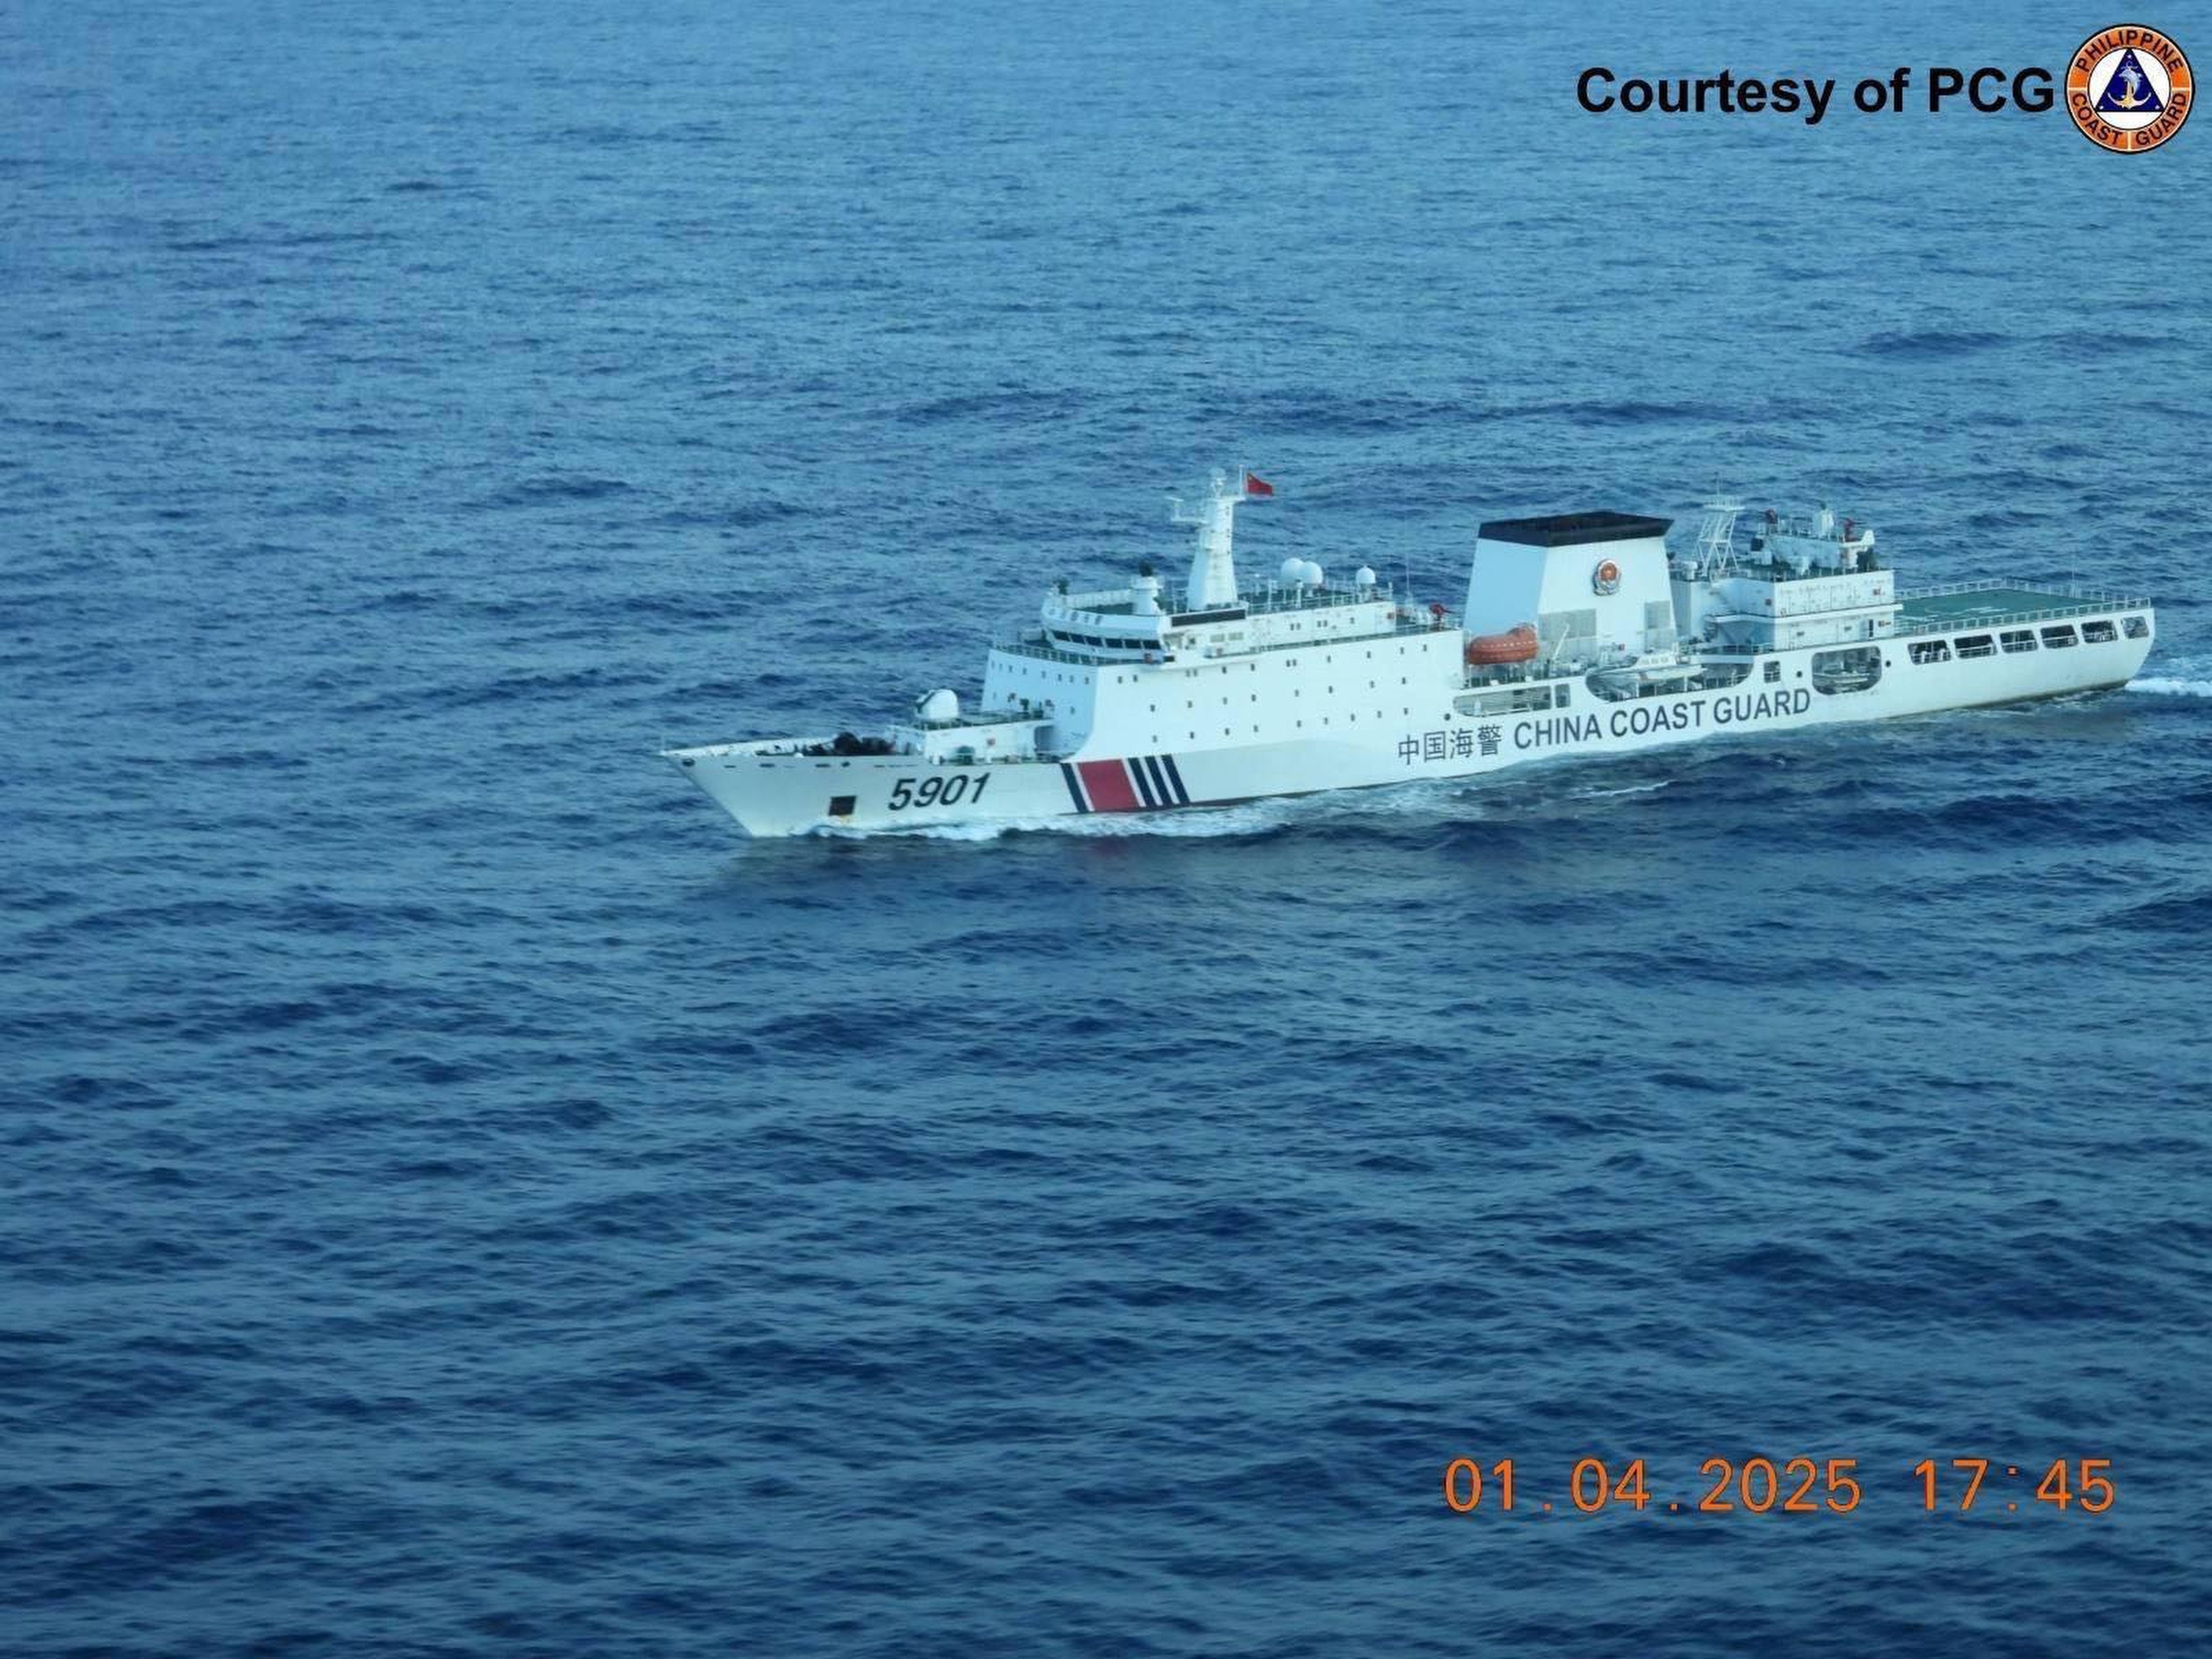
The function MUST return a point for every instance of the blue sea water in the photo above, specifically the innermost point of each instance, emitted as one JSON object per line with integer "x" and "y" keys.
{"x": 456, "y": 1198}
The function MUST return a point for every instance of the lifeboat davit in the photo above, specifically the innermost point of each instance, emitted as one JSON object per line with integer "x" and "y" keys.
{"x": 1514, "y": 645}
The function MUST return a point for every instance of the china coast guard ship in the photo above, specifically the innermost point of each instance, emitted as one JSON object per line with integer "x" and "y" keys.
{"x": 1581, "y": 635}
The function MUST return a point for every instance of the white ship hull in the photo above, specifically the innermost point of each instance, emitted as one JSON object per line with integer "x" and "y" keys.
{"x": 784, "y": 794}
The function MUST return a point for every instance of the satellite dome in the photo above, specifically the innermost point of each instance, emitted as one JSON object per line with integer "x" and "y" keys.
{"x": 1313, "y": 573}
{"x": 939, "y": 707}
{"x": 1293, "y": 572}
{"x": 1366, "y": 576}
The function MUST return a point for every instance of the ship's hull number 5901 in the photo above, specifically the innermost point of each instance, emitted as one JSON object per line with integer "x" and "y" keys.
{"x": 948, "y": 791}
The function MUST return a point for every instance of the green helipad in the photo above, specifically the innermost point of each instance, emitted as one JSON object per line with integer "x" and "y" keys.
{"x": 1992, "y": 605}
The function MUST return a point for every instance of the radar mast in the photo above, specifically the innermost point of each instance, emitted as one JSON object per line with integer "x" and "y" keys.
{"x": 1213, "y": 566}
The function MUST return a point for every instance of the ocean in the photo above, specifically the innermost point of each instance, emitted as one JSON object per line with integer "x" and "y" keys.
{"x": 458, "y": 1197}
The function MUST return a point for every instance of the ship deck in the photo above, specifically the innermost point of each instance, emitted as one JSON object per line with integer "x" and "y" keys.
{"x": 1989, "y": 604}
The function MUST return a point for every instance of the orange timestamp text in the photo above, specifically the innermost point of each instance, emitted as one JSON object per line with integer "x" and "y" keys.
{"x": 1794, "y": 1486}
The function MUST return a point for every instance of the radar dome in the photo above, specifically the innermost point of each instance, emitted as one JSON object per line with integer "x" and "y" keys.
{"x": 1292, "y": 573}
{"x": 1313, "y": 573}
{"x": 939, "y": 707}
{"x": 1366, "y": 576}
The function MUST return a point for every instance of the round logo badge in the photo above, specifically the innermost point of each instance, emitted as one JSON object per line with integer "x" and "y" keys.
{"x": 2129, "y": 87}
{"x": 1605, "y": 579}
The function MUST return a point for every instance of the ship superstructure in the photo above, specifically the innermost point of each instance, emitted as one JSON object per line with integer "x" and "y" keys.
{"x": 1580, "y": 633}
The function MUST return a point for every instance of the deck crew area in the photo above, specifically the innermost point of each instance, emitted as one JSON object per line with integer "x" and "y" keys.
{"x": 1993, "y": 604}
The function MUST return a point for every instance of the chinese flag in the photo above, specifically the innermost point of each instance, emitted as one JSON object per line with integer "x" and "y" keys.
{"x": 1256, "y": 485}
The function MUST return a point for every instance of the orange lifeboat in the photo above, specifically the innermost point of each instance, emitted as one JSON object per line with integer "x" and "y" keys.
{"x": 1514, "y": 645}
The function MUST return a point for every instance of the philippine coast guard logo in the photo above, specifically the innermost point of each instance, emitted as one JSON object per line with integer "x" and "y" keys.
{"x": 2129, "y": 87}
{"x": 1605, "y": 579}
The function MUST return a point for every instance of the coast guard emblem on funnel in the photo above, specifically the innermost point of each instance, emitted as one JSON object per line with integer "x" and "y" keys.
{"x": 1605, "y": 579}
{"x": 2129, "y": 88}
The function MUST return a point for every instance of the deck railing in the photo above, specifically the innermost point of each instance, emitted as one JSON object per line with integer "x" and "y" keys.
{"x": 1044, "y": 652}
{"x": 2073, "y": 602}
{"x": 1989, "y": 584}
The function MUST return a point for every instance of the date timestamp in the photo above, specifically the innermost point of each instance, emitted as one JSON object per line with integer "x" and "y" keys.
{"x": 1794, "y": 1486}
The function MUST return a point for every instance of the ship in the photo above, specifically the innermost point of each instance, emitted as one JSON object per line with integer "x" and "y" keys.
{"x": 1581, "y": 635}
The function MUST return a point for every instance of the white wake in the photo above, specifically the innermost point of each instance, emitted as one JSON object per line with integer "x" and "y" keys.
{"x": 2161, "y": 686}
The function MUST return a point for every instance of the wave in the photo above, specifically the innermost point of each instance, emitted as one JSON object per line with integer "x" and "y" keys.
{"x": 1606, "y": 413}
{"x": 1315, "y": 411}
{"x": 1008, "y": 401}
{"x": 2189, "y": 915}
{"x": 741, "y": 515}
{"x": 2159, "y": 685}
{"x": 536, "y": 492}
{"x": 1929, "y": 343}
